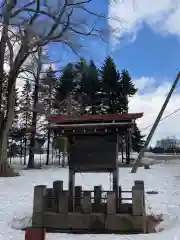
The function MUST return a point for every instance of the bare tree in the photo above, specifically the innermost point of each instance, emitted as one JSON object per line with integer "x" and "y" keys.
{"x": 25, "y": 27}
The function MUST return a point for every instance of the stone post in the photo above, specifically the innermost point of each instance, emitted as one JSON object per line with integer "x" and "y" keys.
{"x": 138, "y": 205}
{"x": 57, "y": 189}
{"x": 140, "y": 184}
{"x": 71, "y": 190}
{"x": 63, "y": 202}
{"x": 97, "y": 198}
{"x": 78, "y": 198}
{"x": 38, "y": 205}
{"x": 111, "y": 203}
{"x": 86, "y": 202}
{"x": 138, "y": 199}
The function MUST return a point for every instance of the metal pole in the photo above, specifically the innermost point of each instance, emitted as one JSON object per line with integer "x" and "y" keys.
{"x": 141, "y": 154}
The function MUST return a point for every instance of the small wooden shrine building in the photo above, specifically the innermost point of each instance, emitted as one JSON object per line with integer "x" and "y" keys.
{"x": 94, "y": 142}
{"x": 93, "y": 146}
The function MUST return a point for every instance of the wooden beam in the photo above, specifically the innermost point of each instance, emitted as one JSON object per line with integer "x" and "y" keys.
{"x": 66, "y": 126}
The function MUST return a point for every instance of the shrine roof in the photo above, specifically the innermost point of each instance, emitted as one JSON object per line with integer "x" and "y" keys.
{"x": 57, "y": 119}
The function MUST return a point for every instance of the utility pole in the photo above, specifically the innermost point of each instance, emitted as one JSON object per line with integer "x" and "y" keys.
{"x": 141, "y": 154}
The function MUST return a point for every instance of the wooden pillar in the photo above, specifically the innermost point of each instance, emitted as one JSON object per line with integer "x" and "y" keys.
{"x": 71, "y": 190}
{"x": 130, "y": 140}
{"x": 115, "y": 185}
{"x": 122, "y": 149}
{"x": 127, "y": 149}
{"x": 116, "y": 174}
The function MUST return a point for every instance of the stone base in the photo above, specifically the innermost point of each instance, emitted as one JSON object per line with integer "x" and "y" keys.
{"x": 90, "y": 223}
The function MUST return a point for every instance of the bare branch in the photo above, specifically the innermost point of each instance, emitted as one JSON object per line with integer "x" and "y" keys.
{"x": 24, "y": 8}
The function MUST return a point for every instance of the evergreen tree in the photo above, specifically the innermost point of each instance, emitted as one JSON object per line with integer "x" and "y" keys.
{"x": 137, "y": 139}
{"x": 81, "y": 69}
{"x": 26, "y": 105}
{"x": 66, "y": 87}
{"x": 47, "y": 90}
{"x": 93, "y": 87}
{"x": 87, "y": 77}
{"x": 111, "y": 94}
{"x": 127, "y": 89}
{"x": 65, "y": 100}
{"x": 48, "y": 85}
{"x": 26, "y": 114}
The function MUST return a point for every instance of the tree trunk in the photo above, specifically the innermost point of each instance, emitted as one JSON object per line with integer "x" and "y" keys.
{"x": 21, "y": 144}
{"x": 25, "y": 138}
{"x": 33, "y": 126}
{"x": 31, "y": 163}
{"x": 5, "y": 169}
{"x": 3, "y": 154}
{"x": 5, "y": 126}
{"x": 64, "y": 152}
{"x": 48, "y": 144}
{"x": 25, "y": 147}
{"x": 49, "y": 130}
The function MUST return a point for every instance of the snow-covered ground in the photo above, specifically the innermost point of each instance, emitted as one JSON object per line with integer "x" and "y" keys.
{"x": 16, "y": 198}
{"x": 40, "y": 159}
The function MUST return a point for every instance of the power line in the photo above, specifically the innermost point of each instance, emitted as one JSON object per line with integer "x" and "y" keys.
{"x": 167, "y": 116}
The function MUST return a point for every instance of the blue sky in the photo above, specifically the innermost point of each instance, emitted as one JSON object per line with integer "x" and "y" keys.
{"x": 150, "y": 54}
{"x": 149, "y": 48}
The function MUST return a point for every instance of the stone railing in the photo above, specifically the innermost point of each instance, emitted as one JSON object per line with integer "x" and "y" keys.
{"x": 51, "y": 206}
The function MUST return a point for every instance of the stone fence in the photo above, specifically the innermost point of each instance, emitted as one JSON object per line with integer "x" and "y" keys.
{"x": 91, "y": 209}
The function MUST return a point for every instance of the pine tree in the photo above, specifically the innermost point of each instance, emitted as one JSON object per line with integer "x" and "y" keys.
{"x": 66, "y": 88}
{"x": 93, "y": 88}
{"x": 111, "y": 94}
{"x": 65, "y": 100}
{"x": 88, "y": 86}
{"x": 48, "y": 85}
{"x": 81, "y": 72}
{"x": 26, "y": 113}
{"x": 137, "y": 139}
{"x": 127, "y": 89}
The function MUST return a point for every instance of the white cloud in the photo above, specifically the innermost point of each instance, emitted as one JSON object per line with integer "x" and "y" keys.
{"x": 161, "y": 15}
{"x": 150, "y": 103}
